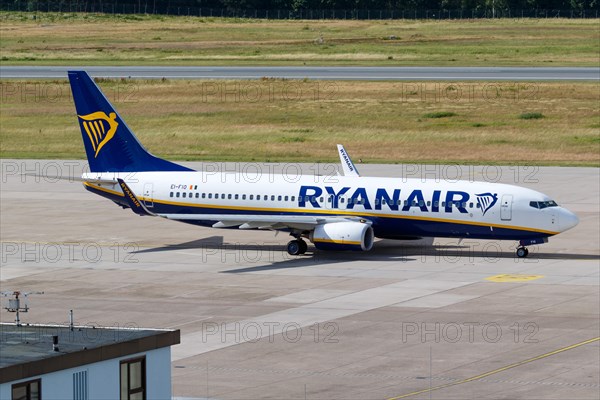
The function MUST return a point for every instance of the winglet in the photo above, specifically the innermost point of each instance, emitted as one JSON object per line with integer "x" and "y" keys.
{"x": 347, "y": 165}
{"x": 134, "y": 203}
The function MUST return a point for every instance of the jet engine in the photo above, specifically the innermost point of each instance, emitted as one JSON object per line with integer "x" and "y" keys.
{"x": 349, "y": 235}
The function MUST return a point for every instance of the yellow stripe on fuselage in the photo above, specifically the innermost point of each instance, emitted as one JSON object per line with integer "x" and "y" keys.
{"x": 328, "y": 212}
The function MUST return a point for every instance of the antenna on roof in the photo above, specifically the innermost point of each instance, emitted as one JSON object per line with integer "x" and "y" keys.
{"x": 18, "y": 303}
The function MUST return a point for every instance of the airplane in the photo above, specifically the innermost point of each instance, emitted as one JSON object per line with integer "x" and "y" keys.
{"x": 345, "y": 213}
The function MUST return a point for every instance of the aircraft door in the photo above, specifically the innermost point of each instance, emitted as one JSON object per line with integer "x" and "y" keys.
{"x": 148, "y": 194}
{"x": 506, "y": 207}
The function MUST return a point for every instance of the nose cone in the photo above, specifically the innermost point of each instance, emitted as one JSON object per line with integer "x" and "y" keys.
{"x": 567, "y": 220}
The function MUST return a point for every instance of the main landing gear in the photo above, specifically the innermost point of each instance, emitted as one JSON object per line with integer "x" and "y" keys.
{"x": 522, "y": 252}
{"x": 296, "y": 247}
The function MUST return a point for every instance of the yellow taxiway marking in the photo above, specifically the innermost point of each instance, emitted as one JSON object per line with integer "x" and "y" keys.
{"x": 513, "y": 278}
{"x": 486, "y": 374}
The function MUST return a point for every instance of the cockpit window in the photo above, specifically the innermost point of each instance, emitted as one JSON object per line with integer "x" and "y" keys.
{"x": 543, "y": 204}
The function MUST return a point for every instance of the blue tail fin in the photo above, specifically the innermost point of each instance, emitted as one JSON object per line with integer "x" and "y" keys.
{"x": 109, "y": 144}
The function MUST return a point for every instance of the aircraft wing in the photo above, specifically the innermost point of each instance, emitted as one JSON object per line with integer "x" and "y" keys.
{"x": 242, "y": 221}
{"x": 347, "y": 165}
{"x": 246, "y": 221}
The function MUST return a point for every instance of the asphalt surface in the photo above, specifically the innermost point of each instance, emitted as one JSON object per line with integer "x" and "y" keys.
{"x": 323, "y": 73}
{"x": 456, "y": 320}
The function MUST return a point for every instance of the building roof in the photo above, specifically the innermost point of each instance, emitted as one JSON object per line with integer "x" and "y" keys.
{"x": 27, "y": 350}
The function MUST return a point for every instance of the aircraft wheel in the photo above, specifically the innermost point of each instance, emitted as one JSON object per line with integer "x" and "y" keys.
{"x": 303, "y": 246}
{"x": 294, "y": 247}
{"x": 522, "y": 252}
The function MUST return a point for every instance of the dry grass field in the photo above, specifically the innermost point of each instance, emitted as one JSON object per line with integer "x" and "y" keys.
{"x": 280, "y": 120}
{"x": 97, "y": 39}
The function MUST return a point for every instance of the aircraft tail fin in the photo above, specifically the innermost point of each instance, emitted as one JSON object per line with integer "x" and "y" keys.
{"x": 109, "y": 143}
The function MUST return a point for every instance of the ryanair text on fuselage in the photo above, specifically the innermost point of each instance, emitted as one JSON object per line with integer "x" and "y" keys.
{"x": 452, "y": 200}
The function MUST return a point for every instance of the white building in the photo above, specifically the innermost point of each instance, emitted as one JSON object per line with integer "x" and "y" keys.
{"x": 50, "y": 362}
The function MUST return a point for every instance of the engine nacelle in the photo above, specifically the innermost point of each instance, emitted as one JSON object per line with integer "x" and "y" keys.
{"x": 343, "y": 236}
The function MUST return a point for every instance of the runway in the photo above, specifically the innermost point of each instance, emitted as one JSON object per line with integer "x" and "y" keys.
{"x": 452, "y": 320}
{"x": 318, "y": 73}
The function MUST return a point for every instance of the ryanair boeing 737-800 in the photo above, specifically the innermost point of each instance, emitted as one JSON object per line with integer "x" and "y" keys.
{"x": 345, "y": 214}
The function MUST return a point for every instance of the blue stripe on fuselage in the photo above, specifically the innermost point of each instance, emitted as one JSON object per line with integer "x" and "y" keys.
{"x": 383, "y": 226}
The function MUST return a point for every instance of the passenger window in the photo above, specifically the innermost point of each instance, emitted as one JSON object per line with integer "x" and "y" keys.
{"x": 470, "y": 205}
{"x": 210, "y": 195}
{"x": 184, "y": 194}
{"x": 342, "y": 200}
{"x": 228, "y": 197}
{"x": 171, "y": 194}
{"x": 251, "y": 197}
{"x": 278, "y": 198}
{"x": 197, "y": 195}
{"x": 443, "y": 204}
{"x": 203, "y": 195}
{"x": 293, "y": 198}
{"x": 320, "y": 199}
{"x": 177, "y": 194}
{"x": 222, "y": 196}
{"x": 285, "y": 198}
{"x": 258, "y": 197}
{"x": 237, "y": 196}
{"x": 272, "y": 198}
{"x": 243, "y": 197}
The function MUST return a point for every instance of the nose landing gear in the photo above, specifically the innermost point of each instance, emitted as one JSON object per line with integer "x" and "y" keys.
{"x": 522, "y": 252}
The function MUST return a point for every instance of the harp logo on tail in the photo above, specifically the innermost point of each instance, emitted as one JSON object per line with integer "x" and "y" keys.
{"x": 100, "y": 128}
{"x": 486, "y": 201}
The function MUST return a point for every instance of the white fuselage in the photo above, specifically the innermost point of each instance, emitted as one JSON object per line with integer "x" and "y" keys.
{"x": 396, "y": 207}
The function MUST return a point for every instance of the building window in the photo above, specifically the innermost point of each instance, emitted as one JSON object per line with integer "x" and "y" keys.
{"x": 133, "y": 379}
{"x": 80, "y": 385}
{"x": 30, "y": 390}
